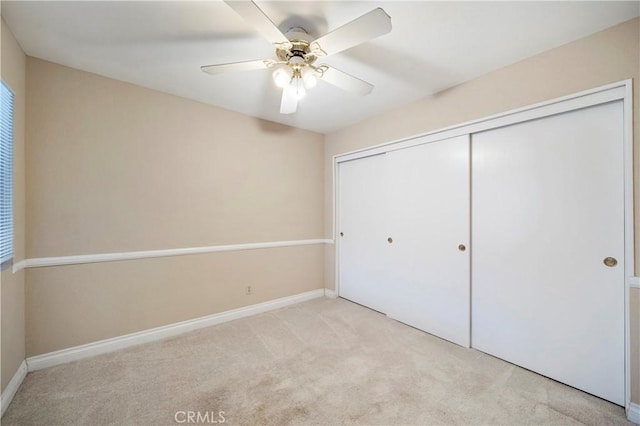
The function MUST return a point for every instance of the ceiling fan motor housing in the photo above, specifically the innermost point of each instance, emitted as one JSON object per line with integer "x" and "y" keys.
{"x": 300, "y": 48}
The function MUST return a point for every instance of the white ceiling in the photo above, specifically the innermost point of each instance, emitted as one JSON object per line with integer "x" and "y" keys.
{"x": 433, "y": 46}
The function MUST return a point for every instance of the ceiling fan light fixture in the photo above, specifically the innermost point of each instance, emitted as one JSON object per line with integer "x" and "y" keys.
{"x": 296, "y": 52}
{"x": 282, "y": 76}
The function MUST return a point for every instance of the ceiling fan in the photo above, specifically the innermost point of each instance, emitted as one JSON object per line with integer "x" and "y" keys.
{"x": 295, "y": 70}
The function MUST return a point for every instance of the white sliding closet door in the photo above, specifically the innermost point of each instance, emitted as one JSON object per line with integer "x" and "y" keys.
{"x": 428, "y": 221}
{"x": 362, "y": 237}
{"x": 548, "y": 210}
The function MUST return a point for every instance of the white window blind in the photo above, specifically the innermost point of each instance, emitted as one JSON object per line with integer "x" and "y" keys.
{"x": 6, "y": 173}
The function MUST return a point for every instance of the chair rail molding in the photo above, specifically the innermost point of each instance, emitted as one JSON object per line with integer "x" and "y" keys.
{"x": 39, "y": 262}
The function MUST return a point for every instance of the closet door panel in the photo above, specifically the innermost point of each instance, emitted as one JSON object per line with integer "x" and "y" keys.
{"x": 428, "y": 220}
{"x": 548, "y": 208}
{"x": 362, "y": 216}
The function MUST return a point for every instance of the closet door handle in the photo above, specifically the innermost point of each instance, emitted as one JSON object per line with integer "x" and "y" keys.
{"x": 610, "y": 261}
{"x": 462, "y": 247}
{"x": 389, "y": 240}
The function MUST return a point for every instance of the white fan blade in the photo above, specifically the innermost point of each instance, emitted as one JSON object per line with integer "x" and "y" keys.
{"x": 346, "y": 81}
{"x": 289, "y": 103}
{"x": 367, "y": 27}
{"x": 251, "y": 13}
{"x": 235, "y": 66}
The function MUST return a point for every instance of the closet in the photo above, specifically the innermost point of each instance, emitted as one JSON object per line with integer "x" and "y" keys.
{"x": 392, "y": 258}
{"x": 508, "y": 239}
{"x": 548, "y": 217}
{"x": 363, "y": 218}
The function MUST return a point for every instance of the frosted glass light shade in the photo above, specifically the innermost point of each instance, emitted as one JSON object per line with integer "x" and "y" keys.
{"x": 309, "y": 77}
{"x": 282, "y": 76}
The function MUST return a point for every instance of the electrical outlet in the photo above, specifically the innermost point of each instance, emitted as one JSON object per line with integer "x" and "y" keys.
{"x": 249, "y": 290}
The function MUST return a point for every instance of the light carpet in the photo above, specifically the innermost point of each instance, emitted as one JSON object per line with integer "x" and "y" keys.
{"x": 326, "y": 361}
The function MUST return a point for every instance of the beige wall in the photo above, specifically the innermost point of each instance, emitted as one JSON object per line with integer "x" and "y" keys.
{"x": 12, "y": 293}
{"x": 605, "y": 57}
{"x": 71, "y": 305}
{"x": 114, "y": 167}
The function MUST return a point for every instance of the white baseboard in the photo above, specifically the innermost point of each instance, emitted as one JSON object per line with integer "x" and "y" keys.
{"x": 633, "y": 413}
{"x": 50, "y": 359}
{"x": 12, "y": 387}
{"x": 330, "y": 293}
